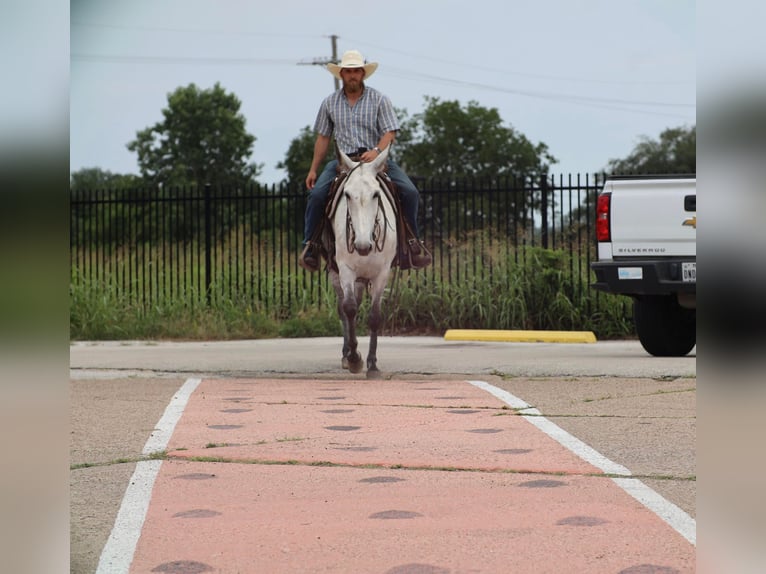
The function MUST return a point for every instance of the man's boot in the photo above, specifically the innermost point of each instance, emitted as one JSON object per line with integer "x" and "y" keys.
{"x": 309, "y": 258}
{"x": 419, "y": 255}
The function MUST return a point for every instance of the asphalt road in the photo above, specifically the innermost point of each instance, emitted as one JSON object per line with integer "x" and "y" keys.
{"x": 639, "y": 411}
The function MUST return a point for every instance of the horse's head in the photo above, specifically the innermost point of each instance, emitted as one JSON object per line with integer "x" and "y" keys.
{"x": 361, "y": 191}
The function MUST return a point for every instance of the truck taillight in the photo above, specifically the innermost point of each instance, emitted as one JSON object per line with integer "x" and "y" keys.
{"x": 602, "y": 218}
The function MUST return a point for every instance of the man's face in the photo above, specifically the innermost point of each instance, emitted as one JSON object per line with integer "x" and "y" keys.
{"x": 352, "y": 79}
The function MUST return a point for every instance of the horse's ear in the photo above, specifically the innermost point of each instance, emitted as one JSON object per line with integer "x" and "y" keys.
{"x": 379, "y": 163}
{"x": 343, "y": 160}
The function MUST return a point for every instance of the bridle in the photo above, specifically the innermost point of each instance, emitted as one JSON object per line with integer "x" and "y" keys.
{"x": 379, "y": 230}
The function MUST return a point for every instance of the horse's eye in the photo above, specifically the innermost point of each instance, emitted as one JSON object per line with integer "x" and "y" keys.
{"x": 376, "y": 195}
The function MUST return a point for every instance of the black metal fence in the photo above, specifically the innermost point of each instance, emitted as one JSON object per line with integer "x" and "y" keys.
{"x": 203, "y": 245}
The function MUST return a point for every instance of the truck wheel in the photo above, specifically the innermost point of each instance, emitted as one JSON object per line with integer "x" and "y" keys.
{"x": 664, "y": 328}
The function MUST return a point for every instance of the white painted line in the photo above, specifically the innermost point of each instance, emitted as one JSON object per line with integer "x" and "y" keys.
{"x": 676, "y": 518}
{"x": 164, "y": 429}
{"x": 121, "y": 545}
{"x": 681, "y": 522}
{"x": 119, "y": 549}
{"x": 554, "y": 431}
{"x": 574, "y": 444}
{"x": 503, "y": 395}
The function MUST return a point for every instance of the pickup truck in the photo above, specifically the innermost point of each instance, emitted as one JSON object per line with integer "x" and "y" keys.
{"x": 646, "y": 229}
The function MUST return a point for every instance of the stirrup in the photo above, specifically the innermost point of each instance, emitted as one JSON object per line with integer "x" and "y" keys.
{"x": 309, "y": 258}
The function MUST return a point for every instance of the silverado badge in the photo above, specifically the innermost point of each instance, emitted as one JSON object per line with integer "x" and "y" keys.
{"x": 691, "y": 222}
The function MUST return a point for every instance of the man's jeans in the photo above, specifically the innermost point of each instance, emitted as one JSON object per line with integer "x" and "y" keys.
{"x": 408, "y": 195}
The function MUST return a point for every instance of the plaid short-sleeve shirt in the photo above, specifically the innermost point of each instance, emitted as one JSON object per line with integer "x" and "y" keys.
{"x": 358, "y": 126}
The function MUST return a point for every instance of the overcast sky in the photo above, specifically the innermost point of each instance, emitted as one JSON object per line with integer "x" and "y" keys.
{"x": 588, "y": 78}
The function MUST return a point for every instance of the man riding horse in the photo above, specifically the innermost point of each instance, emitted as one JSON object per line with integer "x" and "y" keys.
{"x": 363, "y": 123}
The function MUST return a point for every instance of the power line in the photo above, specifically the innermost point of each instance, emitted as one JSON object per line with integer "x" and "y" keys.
{"x": 215, "y": 61}
{"x": 189, "y": 30}
{"x": 601, "y": 102}
{"x": 384, "y": 49}
{"x": 606, "y": 103}
{"x": 527, "y": 74}
{"x": 179, "y": 60}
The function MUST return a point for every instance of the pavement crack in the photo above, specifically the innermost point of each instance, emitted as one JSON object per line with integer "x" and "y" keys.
{"x": 161, "y": 455}
{"x": 639, "y": 395}
{"x": 387, "y": 466}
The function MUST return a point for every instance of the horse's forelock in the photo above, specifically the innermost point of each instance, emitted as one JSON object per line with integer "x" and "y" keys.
{"x": 362, "y": 177}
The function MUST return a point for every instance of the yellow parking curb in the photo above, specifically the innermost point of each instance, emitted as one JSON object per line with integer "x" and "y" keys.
{"x": 520, "y": 336}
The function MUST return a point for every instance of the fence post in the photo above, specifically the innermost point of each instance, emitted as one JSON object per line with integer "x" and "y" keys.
{"x": 544, "y": 210}
{"x": 208, "y": 243}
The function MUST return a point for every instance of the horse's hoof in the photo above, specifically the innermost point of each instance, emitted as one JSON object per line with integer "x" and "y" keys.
{"x": 374, "y": 374}
{"x": 356, "y": 367}
{"x": 344, "y": 363}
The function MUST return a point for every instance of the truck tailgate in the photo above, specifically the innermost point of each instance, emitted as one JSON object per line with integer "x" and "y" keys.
{"x": 640, "y": 229}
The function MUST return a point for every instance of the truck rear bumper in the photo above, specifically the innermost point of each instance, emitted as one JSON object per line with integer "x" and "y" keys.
{"x": 644, "y": 277}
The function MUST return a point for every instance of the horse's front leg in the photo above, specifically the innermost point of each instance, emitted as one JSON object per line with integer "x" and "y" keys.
{"x": 375, "y": 321}
{"x": 353, "y": 358}
{"x": 348, "y": 309}
{"x": 335, "y": 280}
{"x": 345, "y": 325}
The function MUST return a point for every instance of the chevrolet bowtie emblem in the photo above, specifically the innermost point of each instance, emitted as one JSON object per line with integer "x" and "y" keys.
{"x": 691, "y": 222}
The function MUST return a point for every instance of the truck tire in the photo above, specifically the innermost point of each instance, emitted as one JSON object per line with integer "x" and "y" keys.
{"x": 664, "y": 328}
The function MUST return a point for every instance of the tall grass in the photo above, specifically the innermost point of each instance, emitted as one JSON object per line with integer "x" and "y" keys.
{"x": 496, "y": 288}
{"x": 531, "y": 288}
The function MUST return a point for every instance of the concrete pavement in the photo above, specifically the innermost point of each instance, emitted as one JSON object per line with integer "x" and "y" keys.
{"x": 396, "y": 355}
{"x": 283, "y": 469}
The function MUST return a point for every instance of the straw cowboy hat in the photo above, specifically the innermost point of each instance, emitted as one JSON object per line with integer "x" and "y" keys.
{"x": 353, "y": 59}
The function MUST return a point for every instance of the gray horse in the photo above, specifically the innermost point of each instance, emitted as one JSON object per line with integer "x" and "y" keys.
{"x": 365, "y": 230}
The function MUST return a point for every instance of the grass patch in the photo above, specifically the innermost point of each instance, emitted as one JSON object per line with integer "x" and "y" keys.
{"x": 495, "y": 287}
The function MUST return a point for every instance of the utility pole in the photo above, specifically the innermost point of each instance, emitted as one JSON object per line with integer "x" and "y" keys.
{"x": 324, "y": 61}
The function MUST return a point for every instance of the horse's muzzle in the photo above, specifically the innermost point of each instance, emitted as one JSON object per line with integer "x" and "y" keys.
{"x": 363, "y": 249}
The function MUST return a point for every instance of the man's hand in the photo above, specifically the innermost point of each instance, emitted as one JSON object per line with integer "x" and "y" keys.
{"x": 369, "y": 156}
{"x": 311, "y": 179}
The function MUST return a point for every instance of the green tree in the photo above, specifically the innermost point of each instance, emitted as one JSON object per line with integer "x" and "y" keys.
{"x": 97, "y": 220}
{"x": 404, "y": 138}
{"x": 466, "y": 154}
{"x": 454, "y": 141}
{"x": 298, "y": 157}
{"x": 675, "y": 152}
{"x": 92, "y": 178}
{"x": 201, "y": 139}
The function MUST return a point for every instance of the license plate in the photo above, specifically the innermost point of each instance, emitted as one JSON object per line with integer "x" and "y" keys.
{"x": 630, "y": 273}
{"x": 689, "y": 272}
